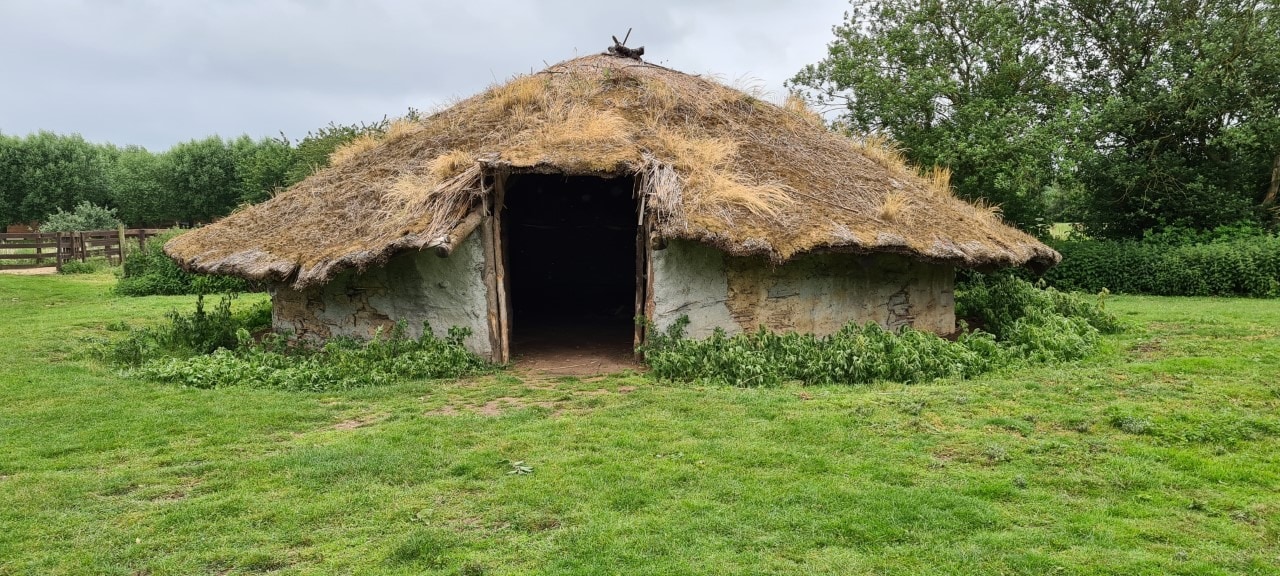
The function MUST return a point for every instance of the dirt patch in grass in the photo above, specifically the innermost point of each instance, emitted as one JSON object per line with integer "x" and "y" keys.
{"x": 499, "y": 406}
{"x": 31, "y": 271}
{"x": 446, "y": 410}
{"x": 361, "y": 422}
{"x": 180, "y": 492}
{"x": 1148, "y": 349}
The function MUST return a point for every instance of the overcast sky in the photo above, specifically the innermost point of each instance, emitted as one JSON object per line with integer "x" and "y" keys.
{"x": 158, "y": 72}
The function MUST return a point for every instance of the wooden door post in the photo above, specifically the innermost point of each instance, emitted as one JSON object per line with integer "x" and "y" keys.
{"x": 500, "y": 267}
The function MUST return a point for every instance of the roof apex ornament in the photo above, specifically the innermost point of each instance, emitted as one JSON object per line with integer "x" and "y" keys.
{"x": 620, "y": 48}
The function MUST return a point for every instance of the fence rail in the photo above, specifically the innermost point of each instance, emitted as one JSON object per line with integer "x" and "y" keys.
{"x": 40, "y": 250}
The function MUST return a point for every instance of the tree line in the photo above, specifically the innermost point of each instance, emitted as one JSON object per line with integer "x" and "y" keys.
{"x": 46, "y": 175}
{"x": 1125, "y": 116}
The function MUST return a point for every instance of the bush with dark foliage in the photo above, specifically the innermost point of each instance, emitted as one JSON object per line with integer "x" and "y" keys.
{"x": 149, "y": 272}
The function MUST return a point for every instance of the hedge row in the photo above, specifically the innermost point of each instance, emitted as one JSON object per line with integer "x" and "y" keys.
{"x": 1234, "y": 267}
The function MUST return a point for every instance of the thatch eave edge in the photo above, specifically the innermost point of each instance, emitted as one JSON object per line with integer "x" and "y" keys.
{"x": 1040, "y": 258}
{"x": 261, "y": 266}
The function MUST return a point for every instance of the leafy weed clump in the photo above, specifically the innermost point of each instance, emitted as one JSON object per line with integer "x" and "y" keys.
{"x": 341, "y": 364}
{"x": 1025, "y": 324}
{"x": 854, "y": 354}
{"x": 1002, "y": 302}
{"x": 150, "y": 272}
{"x": 89, "y": 266}
{"x": 217, "y": 349}
{"x": 200, "y": 332}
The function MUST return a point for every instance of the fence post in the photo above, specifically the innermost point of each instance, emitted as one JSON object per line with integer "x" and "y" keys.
{"x": 39, "y": 248}
{"x": 119, "y": 244}
{"x": 57, "y": 252}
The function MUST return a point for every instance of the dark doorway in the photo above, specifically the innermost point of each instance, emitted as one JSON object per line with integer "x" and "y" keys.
{"x": 571, "y": 264}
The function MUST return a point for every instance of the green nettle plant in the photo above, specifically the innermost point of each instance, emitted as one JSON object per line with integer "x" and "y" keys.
{"x": 1024, "y": 324}
{"x": 216, "y": 349}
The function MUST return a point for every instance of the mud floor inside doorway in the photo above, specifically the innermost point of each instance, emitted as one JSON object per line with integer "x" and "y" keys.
{"x": 575, "y": 349}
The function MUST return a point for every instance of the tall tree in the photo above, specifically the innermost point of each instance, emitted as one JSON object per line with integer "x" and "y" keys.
{"x": 1139, "y": 113}
{"x": 202, "y": 173}
{"x": 10, "y": 194}
{"x": 137, "y": 191}
{"x": 45, "y": 172}
{"x": 1183, "y": 107}
{"x": 967, "y": 84}
{"x": 262, "y": 166}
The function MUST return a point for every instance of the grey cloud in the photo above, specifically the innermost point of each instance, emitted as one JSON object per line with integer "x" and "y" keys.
{"x": 159, "y": 72}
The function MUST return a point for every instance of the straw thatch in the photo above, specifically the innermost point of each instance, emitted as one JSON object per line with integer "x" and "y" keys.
{"x": 715, "y": 165}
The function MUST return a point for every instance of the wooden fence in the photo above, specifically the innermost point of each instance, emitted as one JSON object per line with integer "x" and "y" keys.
{"x": 39, "y": 250}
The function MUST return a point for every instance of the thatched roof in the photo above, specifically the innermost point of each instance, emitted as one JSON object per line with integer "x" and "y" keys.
{"x": 716, "y": 165}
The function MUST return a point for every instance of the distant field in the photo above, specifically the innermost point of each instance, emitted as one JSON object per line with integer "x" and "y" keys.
{"x": 1158, "y": 457}
{"x": 1063, "y": 230}
{"x": 14, "y": 252}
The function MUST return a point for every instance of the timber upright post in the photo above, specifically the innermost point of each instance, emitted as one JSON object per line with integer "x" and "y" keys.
{"x": 119, "y": 244}
{"x": 490, "y": 272}
{"x": 60, "y": 239}
{"x": 494, "y": 271}
{"x": 500, "y": 266}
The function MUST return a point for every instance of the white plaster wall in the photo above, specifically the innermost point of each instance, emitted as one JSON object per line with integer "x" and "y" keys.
{"x": 814, "y": 293}
{"x": 689, "y": 279}
{"x": 413, "y": 287}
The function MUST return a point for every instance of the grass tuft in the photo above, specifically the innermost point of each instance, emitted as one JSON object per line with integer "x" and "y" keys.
{"x": 353, "y": 149}
{"x": 796, "y": 104}
{"x": 706, "y": 164}
{"x": 522, "y": 92}
{"x": 985, "y": 209}
{"x": 402, "y": 128}
{"x": 892, "y": 206}
{"x": 413, "y": 188}
{"x": 450, "y": 164}
{"x": 938, "y": 179}
{"x": 883, "y": 149}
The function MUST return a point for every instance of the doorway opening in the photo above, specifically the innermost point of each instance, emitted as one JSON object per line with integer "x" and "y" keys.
{"x": 570, "y": 244}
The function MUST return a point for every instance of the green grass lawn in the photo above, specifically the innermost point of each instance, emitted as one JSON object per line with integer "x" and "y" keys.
{"x": 1160, "y": 456}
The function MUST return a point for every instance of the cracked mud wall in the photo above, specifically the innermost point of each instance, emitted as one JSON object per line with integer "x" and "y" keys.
{"x": 414, "y": 287}
{"x": 814, "y": 293}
